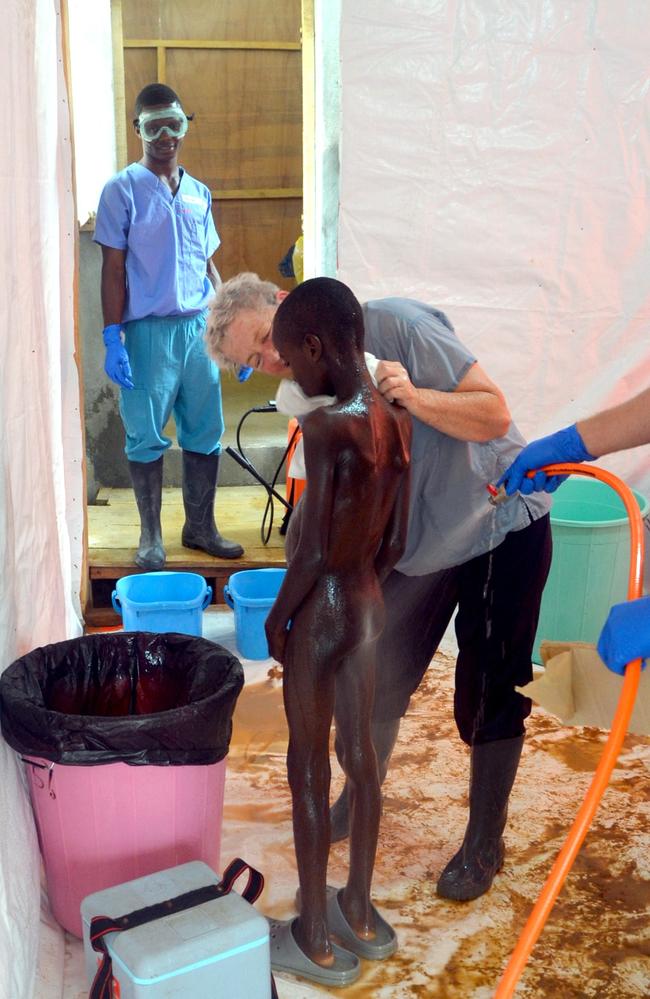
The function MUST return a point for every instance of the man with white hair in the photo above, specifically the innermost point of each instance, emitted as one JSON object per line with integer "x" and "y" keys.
{"x": 486, "y": 563}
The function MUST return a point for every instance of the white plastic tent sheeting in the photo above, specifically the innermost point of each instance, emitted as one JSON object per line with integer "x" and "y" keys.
{"x": 495, "y": 163}
{"x": 41, "y": 485}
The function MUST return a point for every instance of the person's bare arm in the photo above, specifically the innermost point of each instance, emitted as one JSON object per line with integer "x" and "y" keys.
{"x": 214, "y": 277}
{"x": 619, "y": 428}
{"x": 310, "y": 557}
{"x": 476, "y": 410}
{"x": 113, "y": 285}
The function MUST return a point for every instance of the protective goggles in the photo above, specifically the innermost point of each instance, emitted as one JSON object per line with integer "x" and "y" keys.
{"x": 172, "y": 121}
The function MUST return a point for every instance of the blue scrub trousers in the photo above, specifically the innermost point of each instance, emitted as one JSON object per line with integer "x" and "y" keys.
{"x": 172, "y": 373}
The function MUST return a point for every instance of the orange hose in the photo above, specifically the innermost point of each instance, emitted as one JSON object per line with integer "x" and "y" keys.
{"x": 584, "y": 818}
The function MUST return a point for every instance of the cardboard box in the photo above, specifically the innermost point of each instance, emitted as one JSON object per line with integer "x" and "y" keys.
{"x": 578, "y": 688}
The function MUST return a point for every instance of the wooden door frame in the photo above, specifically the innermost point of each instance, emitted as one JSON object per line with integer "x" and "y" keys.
{"x": 309, "y": 227}
{"x": 307, "y": 46}
{"x": 119, "y": 96}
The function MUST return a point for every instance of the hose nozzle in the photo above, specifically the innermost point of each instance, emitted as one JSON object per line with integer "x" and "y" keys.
{"x": 497, "y": 494}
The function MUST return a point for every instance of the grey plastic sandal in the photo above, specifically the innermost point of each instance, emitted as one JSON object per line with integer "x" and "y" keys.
{"x": 287, "y": 956}
{"x": 377, "y": 948}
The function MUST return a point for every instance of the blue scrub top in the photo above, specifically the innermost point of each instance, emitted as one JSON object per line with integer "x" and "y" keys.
{"x": 168, "y": 239}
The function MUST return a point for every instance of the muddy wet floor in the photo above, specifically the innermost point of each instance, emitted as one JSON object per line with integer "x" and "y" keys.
{"x": 597, "y": 941}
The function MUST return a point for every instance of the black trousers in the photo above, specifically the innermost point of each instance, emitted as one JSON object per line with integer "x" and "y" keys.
{"x": 498, "y": 597}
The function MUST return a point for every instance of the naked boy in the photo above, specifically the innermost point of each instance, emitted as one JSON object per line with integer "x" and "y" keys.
{"x": 345, "y": 536}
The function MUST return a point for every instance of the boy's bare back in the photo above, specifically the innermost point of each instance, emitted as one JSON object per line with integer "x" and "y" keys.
{"x": 356, "y": 455}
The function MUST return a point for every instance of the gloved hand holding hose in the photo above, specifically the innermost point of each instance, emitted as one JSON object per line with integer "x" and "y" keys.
{"x": 563, "y": 445}
{"x": 117, "y": 365}
{"x": 626, "y": 633}
{"x": 616, "y": 429}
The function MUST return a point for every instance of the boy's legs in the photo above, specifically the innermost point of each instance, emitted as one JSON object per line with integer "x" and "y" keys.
{"x": 354, "y": 698}
{"x": 308, "y": 691}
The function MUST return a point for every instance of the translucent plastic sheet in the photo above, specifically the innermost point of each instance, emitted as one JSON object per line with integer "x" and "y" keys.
{"x": 41, "y": 492}
{"x": 494, "y": 163}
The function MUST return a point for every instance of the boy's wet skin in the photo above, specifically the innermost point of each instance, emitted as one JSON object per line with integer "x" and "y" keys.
{"x": 345, "y": 536}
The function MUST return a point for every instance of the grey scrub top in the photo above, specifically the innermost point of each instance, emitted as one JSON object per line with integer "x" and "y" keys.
{"x": 450, "y": 518}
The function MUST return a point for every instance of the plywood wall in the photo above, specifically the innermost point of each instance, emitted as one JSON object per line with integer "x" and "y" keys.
{"x": 245, "y": 142}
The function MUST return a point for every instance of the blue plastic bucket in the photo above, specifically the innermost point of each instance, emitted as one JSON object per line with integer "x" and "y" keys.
{"x": 251, "y": 594}
{"x": 162, "y": 601}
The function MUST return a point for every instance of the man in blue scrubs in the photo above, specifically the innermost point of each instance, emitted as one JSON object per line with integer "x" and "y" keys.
{"x": 154, "y": 224}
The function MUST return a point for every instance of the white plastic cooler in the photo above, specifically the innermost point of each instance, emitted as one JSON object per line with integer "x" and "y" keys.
{"x": 216, "y": 950}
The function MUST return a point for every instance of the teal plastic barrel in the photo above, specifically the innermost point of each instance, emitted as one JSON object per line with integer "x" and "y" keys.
{"x": 591, "y": 560}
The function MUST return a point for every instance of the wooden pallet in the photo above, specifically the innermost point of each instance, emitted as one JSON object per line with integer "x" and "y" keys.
{"x": 114, "y": 529}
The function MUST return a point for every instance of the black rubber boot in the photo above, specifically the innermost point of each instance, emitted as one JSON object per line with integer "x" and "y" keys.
{"x": 471, "y": 871}
{"x": 199, "y": 486}
{"x": 147, "y": 486}
{"x": 384, "y": 736}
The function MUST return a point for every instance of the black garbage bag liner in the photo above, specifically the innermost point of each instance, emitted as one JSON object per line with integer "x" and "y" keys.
{"x": 124, "y": 697}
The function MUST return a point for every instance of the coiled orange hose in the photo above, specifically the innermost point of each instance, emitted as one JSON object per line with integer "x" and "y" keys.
{"x": 584, "y": 818}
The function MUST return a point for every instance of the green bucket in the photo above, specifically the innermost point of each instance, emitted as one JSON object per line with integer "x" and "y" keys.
{"x": 591, "y": 561}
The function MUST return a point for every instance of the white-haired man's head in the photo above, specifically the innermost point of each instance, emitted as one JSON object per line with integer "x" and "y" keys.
{"x": 239, "y": 324}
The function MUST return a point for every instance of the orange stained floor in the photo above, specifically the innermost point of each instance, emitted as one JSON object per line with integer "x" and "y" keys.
{"x": 597, "y": 942}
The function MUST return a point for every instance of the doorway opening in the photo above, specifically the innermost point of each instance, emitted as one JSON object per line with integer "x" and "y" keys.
{"x": 254, "y": 75}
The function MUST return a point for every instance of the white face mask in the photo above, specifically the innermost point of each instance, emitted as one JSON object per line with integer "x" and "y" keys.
{"x": 170, "y": 120}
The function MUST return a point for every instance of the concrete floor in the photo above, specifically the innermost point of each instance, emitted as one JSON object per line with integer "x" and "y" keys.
{"x": 597, "y": 941}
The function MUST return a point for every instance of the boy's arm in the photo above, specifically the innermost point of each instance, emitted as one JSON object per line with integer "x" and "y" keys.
{"x": 394, "y": 540}
{"x": 310, "y": 557}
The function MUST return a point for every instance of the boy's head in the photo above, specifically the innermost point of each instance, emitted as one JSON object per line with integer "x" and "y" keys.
{"x": 159, "y": 119}
{"x": 155, "y": 95}
{"x": 316, "y": 329}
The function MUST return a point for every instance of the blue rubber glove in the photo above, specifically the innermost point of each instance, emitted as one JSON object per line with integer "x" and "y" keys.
{"x": 626, "y": 635}
{"x": 117, "y": 365}
{"x": 564, "y": 445}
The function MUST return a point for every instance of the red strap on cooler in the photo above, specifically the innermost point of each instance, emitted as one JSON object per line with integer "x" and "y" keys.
{"x": 101, "y": 987}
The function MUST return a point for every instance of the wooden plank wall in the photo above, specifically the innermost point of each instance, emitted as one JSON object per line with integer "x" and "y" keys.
{"x": 236, "y": 64}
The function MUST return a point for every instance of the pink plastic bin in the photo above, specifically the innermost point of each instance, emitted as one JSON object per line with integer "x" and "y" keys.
{"x": 103, "y": 825}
